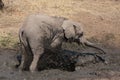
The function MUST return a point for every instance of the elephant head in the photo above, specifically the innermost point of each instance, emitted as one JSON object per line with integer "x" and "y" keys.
{"x": 73, "y": 32}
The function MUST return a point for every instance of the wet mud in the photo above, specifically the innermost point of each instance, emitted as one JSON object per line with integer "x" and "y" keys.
{"x": 87, "y": 66}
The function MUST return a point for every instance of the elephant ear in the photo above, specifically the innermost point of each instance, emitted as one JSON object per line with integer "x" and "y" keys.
{"x": 69, "y": 29}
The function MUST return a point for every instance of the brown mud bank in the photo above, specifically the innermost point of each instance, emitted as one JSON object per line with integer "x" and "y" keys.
{"x": 91, "y": 71}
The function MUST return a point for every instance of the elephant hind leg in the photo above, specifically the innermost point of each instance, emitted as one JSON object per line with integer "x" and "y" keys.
{"x": 27, "y": 59}
{"x": 36, "y": 56}
{"x": 37, "y": 50}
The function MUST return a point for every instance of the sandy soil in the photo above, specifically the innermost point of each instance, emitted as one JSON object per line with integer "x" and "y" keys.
{"x": 100, "y": 17}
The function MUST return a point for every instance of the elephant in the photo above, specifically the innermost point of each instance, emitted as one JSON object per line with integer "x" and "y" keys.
{"x": 1, "y": 4}
{"x": 40, "y": 32}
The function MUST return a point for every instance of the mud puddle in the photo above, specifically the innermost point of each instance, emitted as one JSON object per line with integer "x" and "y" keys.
{"x": 98, "y": 71}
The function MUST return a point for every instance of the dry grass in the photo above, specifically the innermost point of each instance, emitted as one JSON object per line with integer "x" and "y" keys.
{"x": 101, "y": 17}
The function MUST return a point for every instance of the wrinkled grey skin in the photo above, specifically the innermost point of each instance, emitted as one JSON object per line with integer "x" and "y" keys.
{"x": 1, "y": 4}
{"x": 40, "y": 32}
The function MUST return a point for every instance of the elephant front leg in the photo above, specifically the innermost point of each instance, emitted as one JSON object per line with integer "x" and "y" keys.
{"x": 36, "y": 56}
{"x": 57, "y": 43}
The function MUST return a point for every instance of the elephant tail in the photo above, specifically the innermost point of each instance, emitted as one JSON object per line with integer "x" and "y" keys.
{"x": 22, "y": 38}
{"x": 24, "y": 46}
{"x": 25, "y": 41}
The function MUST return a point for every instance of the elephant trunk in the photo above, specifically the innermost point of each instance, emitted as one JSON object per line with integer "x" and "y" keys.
{"x": 85, "y": 42}
{"x": 89, "y": 44}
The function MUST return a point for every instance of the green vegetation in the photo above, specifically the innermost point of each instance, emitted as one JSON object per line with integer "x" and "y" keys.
{"x": 8, "y": 41}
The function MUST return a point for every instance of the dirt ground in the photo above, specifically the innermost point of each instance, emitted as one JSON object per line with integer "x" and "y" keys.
{"x": 102, "y": 26}
{"x": 101, "y": 18}
{"x": 98, "y": 71}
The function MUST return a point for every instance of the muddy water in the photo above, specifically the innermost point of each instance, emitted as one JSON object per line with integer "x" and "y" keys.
{"x": 98, "y": 71}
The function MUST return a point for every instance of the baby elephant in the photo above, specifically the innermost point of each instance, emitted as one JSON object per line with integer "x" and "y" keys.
{"x": 40, "y": 32}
